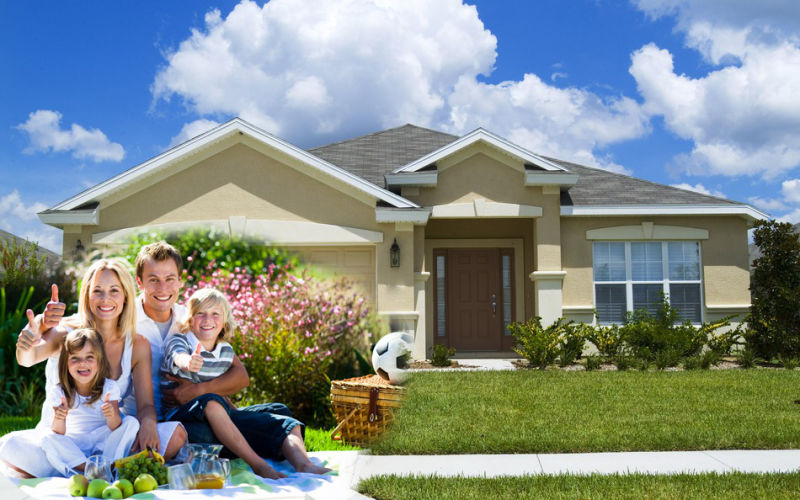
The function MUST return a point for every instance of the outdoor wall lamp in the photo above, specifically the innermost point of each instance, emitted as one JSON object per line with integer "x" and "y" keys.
{"x": 394, "y": 254}
{"x": 79, "y": 249}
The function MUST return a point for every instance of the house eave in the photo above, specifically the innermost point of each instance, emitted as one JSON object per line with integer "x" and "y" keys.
{"x": 563, "y": 179}
{"x": 416, "y": 179}
{"x": 745, "y": 211}
{"x": 61, "y": 218}
{"x": 417, "y": 216}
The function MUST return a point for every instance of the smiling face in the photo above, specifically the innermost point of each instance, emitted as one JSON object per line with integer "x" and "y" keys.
{"x": 207, "y": 323}
{"x": 82, "y": 367}
{"x": 160, "y": 283}
{"x": 106, "y": 296}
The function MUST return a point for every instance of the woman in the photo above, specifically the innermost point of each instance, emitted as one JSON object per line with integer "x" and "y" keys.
{"x": 107, "y": 305}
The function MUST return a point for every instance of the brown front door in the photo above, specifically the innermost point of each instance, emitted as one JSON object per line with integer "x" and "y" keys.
{"x": 474, "y": 312}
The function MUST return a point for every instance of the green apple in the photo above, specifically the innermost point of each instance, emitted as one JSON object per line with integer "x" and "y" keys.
{"x": 96, "y": 487}
{"x": 77, "y": 485}
{"x": 112, "y": 492}
{"x": 145, "y": 482}
{"x": 125, "y": 486}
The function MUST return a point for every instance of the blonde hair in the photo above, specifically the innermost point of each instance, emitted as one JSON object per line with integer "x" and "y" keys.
{"x": 204, "y": 299}
{"x": 158, "y": 251}
{"x": 74, "y": 342}
{"x": 127, "y": 319}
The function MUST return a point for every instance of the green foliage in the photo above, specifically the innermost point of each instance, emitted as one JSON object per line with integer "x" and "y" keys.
{"x": 202, "y": 247}
{"x": 657, "y": 338}
{"x": 23, "y": 388}
{"x": 542, "y": 345}
{"x": 607, "y": 339}
{"x": 593, "y": 363}
{"x": 788, "y": 362}
{"x": 747, "y": 357}
{"x": 440, "y": 355}
{"x": 775, "y": 290}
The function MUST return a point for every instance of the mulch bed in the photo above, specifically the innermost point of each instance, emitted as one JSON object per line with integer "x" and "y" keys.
{"x": 427, "y": 365}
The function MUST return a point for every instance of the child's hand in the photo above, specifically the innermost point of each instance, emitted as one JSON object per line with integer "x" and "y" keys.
{"x": 108, "y": 409}
{"x": 196, "y": 362}
{"x": 61, "y": 411}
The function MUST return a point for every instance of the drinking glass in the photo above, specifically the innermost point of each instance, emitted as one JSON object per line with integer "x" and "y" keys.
{"x": 226, "y": 470}
{"x": 97, "y": 467}
{"x": 180, "y": 477}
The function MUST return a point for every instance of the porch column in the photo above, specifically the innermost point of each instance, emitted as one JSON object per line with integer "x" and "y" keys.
{"x": 548, "y": 277}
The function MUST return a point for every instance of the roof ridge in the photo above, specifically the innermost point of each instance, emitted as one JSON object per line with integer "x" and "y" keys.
{"x": 617, "y": 174}
{"x": 380, "y": 132}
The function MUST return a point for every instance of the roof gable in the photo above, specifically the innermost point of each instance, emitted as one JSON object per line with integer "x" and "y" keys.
{"x": 230, "y": 130}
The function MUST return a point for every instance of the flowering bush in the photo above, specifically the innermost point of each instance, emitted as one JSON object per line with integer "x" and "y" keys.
{"x": 295, "y": 333}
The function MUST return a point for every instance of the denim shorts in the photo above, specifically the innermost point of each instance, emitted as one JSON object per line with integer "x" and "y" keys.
{"x": 264, "y": 426}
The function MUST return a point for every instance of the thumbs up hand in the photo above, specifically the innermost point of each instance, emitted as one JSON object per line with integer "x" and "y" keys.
{"x": 54, "y": 310}
{"x": 29, "y": 336}
{"x": 107, "y": 408}
{"x": 61, "y": 411}
{"x": 196, "y": 362}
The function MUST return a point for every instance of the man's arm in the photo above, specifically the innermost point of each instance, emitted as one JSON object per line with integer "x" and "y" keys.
{"x": 227, "y": 384}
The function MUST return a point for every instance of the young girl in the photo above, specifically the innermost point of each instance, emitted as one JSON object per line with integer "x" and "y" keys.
{"x": 200, "y": 353}
{"x": 86, "y": 417}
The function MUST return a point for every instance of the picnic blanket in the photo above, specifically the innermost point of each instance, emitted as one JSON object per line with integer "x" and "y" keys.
{"x": 244, "y": 484}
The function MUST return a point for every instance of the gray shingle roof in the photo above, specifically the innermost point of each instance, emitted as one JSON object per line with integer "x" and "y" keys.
{"x": 374, "y": 155}
{"x": 596, "y": 186}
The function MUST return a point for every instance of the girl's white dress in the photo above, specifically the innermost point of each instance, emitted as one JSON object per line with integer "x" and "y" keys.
{"x": 87, "y": 432}
{"x": 24, "y": 449}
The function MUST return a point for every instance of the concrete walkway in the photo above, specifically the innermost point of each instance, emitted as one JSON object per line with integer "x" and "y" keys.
{"x": 671, "y": 462}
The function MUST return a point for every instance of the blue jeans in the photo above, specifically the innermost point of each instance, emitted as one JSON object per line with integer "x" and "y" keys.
{"x": 264, "y": 426}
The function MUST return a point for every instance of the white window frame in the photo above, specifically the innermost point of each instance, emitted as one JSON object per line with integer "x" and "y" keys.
{"x": 665, "y": 281}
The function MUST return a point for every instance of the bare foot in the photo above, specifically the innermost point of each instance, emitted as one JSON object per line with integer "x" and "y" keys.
{"x": 310, "y": 468}
{"x": 267, "y": 472}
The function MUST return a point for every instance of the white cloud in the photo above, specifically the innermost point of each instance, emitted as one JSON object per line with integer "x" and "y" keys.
{"x": 322, "y": 71}
{"x": 699, "y": 188}
{"x": 791, "y": 190}
{"x": 768, "y": 204}
{"x": 743, "y": 116}
{"x": 191, "y": 130}
{"x": 20, "y": 219}
{"x": 792, "y": 217}
{"x": 45, "y": 134}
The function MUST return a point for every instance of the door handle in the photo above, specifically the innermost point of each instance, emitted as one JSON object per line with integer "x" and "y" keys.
{"x": 494, "y": 304}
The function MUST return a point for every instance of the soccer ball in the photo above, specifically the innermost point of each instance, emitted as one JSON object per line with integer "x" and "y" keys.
{"x": 390, "y": 354}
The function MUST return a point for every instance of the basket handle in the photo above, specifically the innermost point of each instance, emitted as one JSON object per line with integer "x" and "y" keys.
{"x": 339, "y": 426}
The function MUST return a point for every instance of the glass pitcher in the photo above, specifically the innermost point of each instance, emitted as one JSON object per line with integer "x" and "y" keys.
{"x": 206, "y": 466}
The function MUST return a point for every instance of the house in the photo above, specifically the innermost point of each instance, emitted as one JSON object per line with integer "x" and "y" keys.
{"x": 450, "y": 237}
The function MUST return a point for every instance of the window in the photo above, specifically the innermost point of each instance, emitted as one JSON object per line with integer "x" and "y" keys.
{"x": 633, "y": 275}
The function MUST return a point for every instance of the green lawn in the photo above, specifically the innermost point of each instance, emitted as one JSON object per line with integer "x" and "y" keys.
{"x": 531, "y": 411}
{"x": 316, "y": 439}
{"x": 707, "y": 486}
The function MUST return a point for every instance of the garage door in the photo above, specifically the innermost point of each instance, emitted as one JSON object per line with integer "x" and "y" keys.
{"x": 354, "y": 263}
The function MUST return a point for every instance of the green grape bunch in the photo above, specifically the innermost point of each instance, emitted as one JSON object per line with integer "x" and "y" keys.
{"x": 140, "y": 465}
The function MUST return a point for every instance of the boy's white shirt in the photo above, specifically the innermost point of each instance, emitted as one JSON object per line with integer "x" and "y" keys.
{"x": 147, "y": 327}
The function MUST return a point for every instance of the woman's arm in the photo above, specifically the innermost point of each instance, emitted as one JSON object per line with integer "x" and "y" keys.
{"x": 143, "y": 386}
{"x": 227, "y": 384}
{"x": 33, "y": 349}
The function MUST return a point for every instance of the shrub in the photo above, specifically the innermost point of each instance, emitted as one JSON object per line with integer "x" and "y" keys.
{"x": 593, "y": 363}
{"x": 622, "y": 361}
{"x": 607, "y": 339}
{"x": 201, "y": 248}
{"x": 775, "y": 290}
{"x": 692, "y": 363}
{"x": 541, "y": 346}
{"x": 295, "y": 334}
{"x": 23, "y": 388}
{"x": 788, "y": 362}
{"x": 440, "y": 355}
{"x": 571, "y": 343}
{"x": 746, "y": 357}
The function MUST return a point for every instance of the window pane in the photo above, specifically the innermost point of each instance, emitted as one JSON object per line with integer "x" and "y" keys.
{"x": 647, "y": 297}
{"x": 609, "y": 261}
{"x": 610, "y": 303}
{"x": 646, "y": 261}
{"x": 506, "y": 293}
{"x": 684, "y": 260}
{"x": 686, "y": 299}
{"x": 440, "y": 316}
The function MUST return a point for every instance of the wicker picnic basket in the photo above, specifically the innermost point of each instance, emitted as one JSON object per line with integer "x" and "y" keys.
{"x": 364, "y": 408}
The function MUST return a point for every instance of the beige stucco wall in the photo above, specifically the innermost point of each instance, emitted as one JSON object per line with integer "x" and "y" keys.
{"x": 726, "y": 275}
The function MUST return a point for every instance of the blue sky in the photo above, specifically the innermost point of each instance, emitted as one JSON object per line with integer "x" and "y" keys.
{"x": 704, "y": 94}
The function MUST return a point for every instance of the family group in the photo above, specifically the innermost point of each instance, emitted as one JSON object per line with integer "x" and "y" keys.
{"x": 130, "y": 373}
